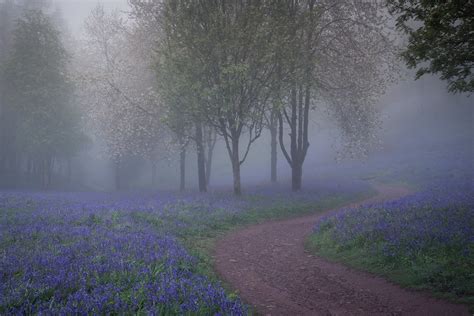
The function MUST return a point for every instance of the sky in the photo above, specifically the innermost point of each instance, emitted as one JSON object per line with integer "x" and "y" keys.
{"x": 76, "y": 11}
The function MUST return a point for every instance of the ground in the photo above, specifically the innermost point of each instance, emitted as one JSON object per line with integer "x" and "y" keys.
{"x": 270, "y": 268}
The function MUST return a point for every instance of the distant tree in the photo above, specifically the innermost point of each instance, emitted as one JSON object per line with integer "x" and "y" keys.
{"x": 117, "y": 90}
{"x": 440, "y": 39}
{"x": 9, "y": 12}
{"x": 40, "y": 91}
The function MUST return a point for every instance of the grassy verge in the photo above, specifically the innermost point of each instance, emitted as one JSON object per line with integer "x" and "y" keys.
{"x": 440, "y": 270}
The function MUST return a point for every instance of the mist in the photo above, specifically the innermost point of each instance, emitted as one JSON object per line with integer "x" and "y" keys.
{"x": 150, "y": 150}
{"x": 423, "y": 126}
{"x": 417, "y": 116}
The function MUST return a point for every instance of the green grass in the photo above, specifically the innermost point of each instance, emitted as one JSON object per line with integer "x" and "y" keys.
{"x": 438, "y": 272}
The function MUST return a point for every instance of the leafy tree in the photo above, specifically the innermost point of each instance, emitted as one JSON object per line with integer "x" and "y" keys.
{"x": 10, "y": 11}
{"x": 40, "y": 92}
{"x": 440, "y": 39}
{"x": 5, "y": 25}
{"x": 226, "y": 61}
{"x": 223, "y": 51}
{"x": 334, "y": 55}
{"x": 178, "y": 82}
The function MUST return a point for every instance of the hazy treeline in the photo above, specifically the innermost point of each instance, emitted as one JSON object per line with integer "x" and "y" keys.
{"x": 40, "y": 128}
{"x": 172, "y": 78}
{"x": 173, "y": 74}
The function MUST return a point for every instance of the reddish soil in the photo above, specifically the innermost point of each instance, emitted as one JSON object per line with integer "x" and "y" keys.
{"x": 270, "y": 269}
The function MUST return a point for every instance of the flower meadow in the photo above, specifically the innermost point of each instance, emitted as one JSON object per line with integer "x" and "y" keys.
{"x": 104, "y": 253}
{"x": 424, "y": 240}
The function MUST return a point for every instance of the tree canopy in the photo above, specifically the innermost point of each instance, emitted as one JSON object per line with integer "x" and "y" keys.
{"x": 39, "y": 96}
{"x": 440, "y": 39}
{"x": 234, "y": 64}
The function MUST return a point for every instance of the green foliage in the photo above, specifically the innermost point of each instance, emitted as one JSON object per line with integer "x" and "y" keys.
{"x": 39, "y": 92}
{"x": 219, "y": 70}
{"x": 440, "y": 39}
{"x": 440, "y": 270}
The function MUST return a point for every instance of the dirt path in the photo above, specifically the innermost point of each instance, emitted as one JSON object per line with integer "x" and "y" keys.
{"x": 269, "y": 267}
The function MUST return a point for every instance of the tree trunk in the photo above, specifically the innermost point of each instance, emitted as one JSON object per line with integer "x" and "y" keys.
{"x": 298, "y": 121}
{"x": 182, "y": 168}
{"x": 294, "y": 141}
{"x": 153, "y": 174}
{"x": 69, "y": 170}
{"x": 43, "y": 173}
{"x": 236, "y": 166}
{"x": 117, "y": 176}
{"x": 34, "y": 172}
{"x": 208, "y": 166}
{"x": 273, "y": 148}
{"x": 211, "y": 140}
{"x": 49, "y": 171}
{"x": 13, "y": 165}
{"x": 296, "y": 177}
{"x": 200, "y": 159}
{"x": 29, "y": 168}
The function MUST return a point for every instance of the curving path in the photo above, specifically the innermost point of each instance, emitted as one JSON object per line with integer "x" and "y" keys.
{"x": 269, "y": 267}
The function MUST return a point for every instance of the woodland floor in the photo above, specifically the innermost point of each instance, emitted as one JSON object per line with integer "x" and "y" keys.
{"x": 268, "y": 266}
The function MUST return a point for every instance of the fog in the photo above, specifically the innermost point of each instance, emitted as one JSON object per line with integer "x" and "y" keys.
{"x": 420, "y": 121}
{"x": 222, "y": 157}
{"x": 423, "y": 127}
{"x": 76, "y": 11}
